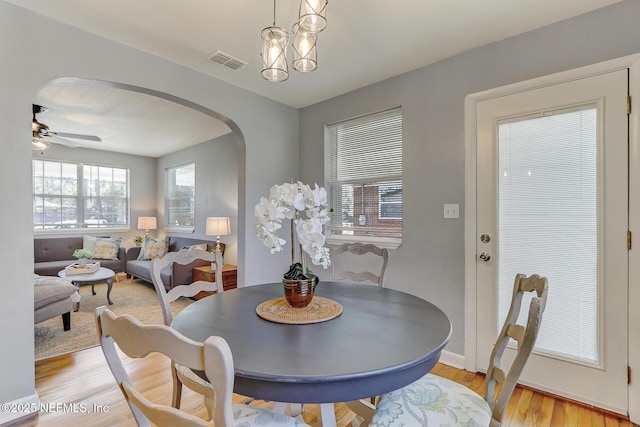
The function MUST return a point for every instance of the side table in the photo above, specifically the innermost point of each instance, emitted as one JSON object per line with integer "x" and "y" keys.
{"x": 206, "y": 273}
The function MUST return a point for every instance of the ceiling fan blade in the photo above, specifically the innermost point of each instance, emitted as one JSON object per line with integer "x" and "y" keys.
{"x": 57, "y": 140}
{"x": 76, "y": 136}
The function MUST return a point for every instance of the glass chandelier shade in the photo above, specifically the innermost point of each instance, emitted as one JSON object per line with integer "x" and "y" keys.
{"x": 305, "y": 54}
{"x": 313, "y": 15}
{"x": 274, "y": 49}
{"x": 38, "y": 143}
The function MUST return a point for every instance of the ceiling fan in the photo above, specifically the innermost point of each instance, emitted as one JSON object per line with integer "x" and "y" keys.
{"x": 42, "y": 137}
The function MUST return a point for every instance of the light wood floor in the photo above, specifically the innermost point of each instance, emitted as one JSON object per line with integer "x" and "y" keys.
{"x": 83, "y": 378}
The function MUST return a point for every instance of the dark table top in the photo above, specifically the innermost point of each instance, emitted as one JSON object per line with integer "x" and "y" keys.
{"x": 383, "y": 340}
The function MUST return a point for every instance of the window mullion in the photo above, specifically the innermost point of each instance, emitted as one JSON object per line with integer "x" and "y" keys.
{"x": 81, "y": 194}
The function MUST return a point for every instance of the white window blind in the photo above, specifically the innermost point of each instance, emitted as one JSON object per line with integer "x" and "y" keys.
{"x": 548, "y": 201}
{"x": 366, "y": 175}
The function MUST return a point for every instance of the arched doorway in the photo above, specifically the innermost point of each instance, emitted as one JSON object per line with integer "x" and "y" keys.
{"x": 86, "y": 106}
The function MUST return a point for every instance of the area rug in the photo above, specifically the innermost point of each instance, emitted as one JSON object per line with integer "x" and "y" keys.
{"x": 138, "y": 299}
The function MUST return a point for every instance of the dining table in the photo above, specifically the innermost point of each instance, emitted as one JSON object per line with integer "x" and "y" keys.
{"x": 381, "y": 340}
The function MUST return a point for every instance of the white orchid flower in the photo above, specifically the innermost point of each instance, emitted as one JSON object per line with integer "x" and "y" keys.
{"x": 287, "y": 201}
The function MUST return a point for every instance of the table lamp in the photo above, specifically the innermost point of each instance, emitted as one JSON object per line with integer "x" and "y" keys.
{"x": 147, "y": 223}
{"x": 218, "y": 226}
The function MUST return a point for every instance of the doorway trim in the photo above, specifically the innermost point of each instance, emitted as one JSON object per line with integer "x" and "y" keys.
{"x": 470, "y": 106}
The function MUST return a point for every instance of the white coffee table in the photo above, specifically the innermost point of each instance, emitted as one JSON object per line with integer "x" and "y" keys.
{"x": 102, "y": 275}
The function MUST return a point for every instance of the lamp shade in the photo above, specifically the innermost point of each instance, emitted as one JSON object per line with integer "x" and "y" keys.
{"x": 218, "y": 226}
{"x": 147, "y": 223}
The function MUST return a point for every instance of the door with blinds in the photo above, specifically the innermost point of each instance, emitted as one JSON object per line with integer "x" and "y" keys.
{"x": 552, "y": 180}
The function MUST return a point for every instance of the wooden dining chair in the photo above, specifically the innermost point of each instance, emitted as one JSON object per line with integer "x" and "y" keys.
{"x": 344, "y": 260}
{"x": 347, "y": 255}
{"x": 213, "y": 357}
{"x": 181, "y": 374}
{"x": 434, "y": 400}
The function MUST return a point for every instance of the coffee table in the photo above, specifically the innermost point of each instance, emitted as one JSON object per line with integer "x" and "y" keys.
{"x": 102, "y": 275}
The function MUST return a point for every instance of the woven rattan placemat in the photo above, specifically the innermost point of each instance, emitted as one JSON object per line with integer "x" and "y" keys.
{"x": 319, "y": 310}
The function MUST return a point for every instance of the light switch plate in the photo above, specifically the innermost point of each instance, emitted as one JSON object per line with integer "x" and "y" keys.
{"x": 451, "y": 210}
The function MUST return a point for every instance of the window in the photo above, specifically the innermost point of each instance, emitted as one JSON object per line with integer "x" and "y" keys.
{"x": 180, "y": 197}
{"x": 72, "y": 195}
{"x": 366, "y": 176}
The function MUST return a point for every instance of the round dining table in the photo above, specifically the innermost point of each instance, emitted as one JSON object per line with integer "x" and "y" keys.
{"x": 383, "y": 340}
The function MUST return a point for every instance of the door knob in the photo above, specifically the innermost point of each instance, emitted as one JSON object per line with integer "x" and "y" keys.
{"x": 485, "y": 256}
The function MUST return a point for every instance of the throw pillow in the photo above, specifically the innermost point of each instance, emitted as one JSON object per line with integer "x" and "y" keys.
{"x": 116, "y": 241}
{"x": 109, "y": 248}
{"x": 89, "y": 243}
{"x": 202, "y": 247}
{"x": 153, "y": 248}
{"x": 105, "y": 250}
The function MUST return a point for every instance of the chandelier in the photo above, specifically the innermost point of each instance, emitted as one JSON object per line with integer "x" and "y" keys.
{"x": 311, "y": 20}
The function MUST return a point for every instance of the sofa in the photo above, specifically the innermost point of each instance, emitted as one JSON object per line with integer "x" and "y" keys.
{"x": 172, "y": 275}
{"x": 54, "y": 254}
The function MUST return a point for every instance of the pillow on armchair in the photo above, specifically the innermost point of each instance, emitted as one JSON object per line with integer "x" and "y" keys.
{"x": 153, "y": 248}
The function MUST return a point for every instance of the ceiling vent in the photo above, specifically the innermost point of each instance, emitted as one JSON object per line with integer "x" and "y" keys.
{"x": 226, "y": 60}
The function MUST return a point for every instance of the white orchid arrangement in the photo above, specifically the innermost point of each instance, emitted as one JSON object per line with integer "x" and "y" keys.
{"x": 289, "y": 201}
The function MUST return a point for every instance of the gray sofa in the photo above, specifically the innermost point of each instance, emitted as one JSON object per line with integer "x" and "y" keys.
{"x": 54, "y": 254}
{"x": 173, "y": 275}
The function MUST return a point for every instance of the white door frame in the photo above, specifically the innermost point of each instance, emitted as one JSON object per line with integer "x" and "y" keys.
{"x": 471, "y": 101}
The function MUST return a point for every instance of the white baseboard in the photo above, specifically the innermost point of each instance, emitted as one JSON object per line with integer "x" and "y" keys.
{"x": 19, "y": 408}
{"x": 452, "y": 359}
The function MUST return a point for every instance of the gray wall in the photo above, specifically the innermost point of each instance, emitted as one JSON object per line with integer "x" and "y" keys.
{"x": 265, "y": 134}
{"x": 430, "y": 261}
{"x": 142, "y": 182}
{"x": 216, "y": 187}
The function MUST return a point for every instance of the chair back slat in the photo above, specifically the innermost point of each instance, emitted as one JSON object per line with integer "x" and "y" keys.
{"x": 138, "y": 340}
{"x": 161, "y": 415}
{"x": 359, "y": 249}
{"x": 516, "y": 332}
{"x": 183, "y": 257}
{"x": 498, "y": 374}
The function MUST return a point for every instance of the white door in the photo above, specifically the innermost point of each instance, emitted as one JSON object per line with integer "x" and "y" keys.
{"x": 552, "y": 199}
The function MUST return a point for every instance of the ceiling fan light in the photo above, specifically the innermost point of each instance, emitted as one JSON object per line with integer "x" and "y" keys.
{"x": 305, "y": 54}
{"x": 38, "y": 143}
{"x": 274, "y": 48}
{"x": 312, "y": 16}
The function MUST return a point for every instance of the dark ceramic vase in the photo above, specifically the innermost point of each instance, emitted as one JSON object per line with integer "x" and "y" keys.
{"x": 299, "y": 293}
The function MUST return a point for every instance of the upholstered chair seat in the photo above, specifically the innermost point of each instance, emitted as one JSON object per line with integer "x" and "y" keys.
{"x": 432, "y": 401}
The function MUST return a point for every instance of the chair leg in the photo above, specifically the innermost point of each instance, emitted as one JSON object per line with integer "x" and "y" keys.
{"x": 364, "y": 410}
{"x": 177, "y": 388}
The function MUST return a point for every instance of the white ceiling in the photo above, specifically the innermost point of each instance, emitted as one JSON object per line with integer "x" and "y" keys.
{"x": 366, "y": 41}
{"x": 126, "y": 121}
